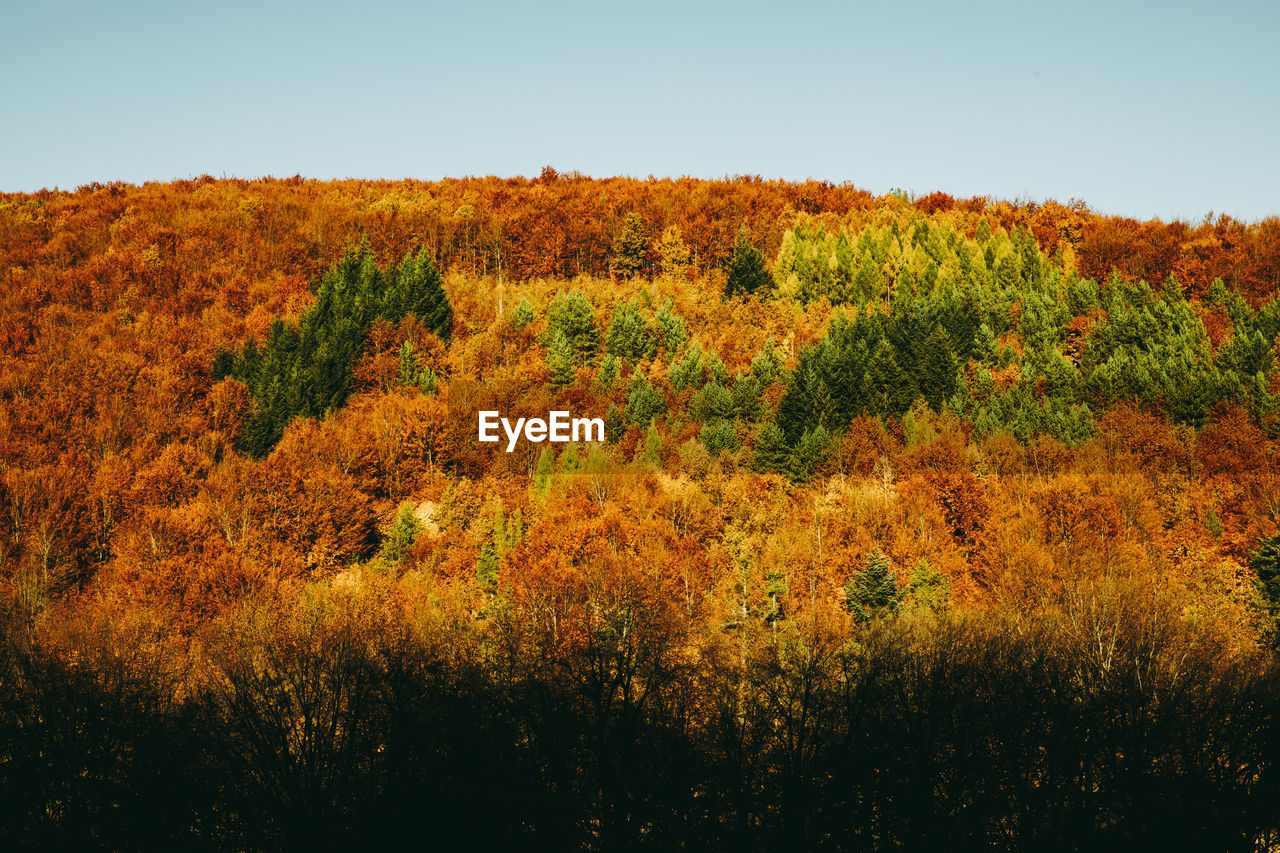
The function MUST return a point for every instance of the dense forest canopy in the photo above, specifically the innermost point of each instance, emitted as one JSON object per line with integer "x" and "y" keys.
{"x": 852, "y": 442}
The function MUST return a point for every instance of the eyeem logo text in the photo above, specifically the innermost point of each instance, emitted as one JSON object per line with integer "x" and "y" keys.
{"x": 558, "y": 427}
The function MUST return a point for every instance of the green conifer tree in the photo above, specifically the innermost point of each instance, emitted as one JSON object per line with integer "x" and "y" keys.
{"x": 772, "y": 452}
{"x": 1265, "y": 563}
{"x": 488, "y": 567}
{"x": 523, "y": 315}
{"x": 400, "y": 539}
{"x": 560, "y": 359}
{"x": 873, "y": 592}
{"x": 747, "y": 273}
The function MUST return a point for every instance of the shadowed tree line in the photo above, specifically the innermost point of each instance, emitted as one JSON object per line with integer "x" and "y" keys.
{"x": 336, "y": 725}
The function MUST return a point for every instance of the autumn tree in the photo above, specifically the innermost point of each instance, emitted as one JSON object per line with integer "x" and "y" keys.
{"x": 630, "y": 248}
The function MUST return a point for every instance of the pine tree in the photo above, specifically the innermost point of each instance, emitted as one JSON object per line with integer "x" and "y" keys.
{"x": 645, "y": 403}
{"x": 688, "y": 370}
{"x": 652, "y": 452}
{"x": 560, "y": 359}
{"x": 572, "y": 315}
{"x": 306, "y": 369}
{"x": 615, "y": 424}
{"x": 771, "y": 450}
{"x": 629, "y": 336}
{"x": 544, "y": 473}
{"x": 1265, "y": 563}
{"x": 873, "y": 592}
{"x": 806, "y": 402}
{"x": 928, "y": 590}
{"x": 402, "y": 534}
{"x": 424, "y": 295}
{"x": 719, "y": 437}
{"x": 747, "y": 273}
{"x": 672, "y": 334}
{"x": 936, "y": 370}
{"x": 809, "y": 454}
{"x": 608, "y": 371}
{"x": 488, "y": 567}
{"x": 569, "y": 460}
{"x": 523, "y": 315}
{"x": 767, "y": 364}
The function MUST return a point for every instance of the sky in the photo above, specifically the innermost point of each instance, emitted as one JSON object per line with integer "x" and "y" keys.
{"x": 1143, "y": 109}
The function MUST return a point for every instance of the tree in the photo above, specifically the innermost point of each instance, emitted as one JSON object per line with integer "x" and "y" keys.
{"x": 873, "y": 592}
{"x": 572, "y": 315}
{"x": 629, "y": 335}
{"x": 747, "y": 272}
{"x": 488, "y": 567}
{"x": 630, "y": 248}
{"x": 771, "y": 449}
{"x": 1265, "y": 563}
{"x": 402, "y": 534}
{"x": 673, "y": 254}
{"x": 928, "y": 589}
{"x": 645, "y": 403}
{"x": 560, "y": 359}
{"x": 523, "y": 315}
{"x": 672, "y": 334}
{"x": 809, "y": 454}
{"x": 936, "y": 369}
{"x": 608, "y": 371}
{"x": 306, "y": 369}
{"x": 719, "y": 437}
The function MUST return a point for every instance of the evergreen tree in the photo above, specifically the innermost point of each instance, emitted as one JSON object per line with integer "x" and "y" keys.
{"x": 873, "y": 592}
{"x": 672, "y": 334}
{"x": 767, "y": 364}
{"x": 645, "y": 404}
{"x": 809, "y": 454}
{"x": 806, "y": 402}
{"x": 560, "y": 359}
{"x": 569, "y": 461}
{"x": 928, "y": 589}
{"x": 629, "y": 336}
{"x": 544, "y": 472}
{"x": 608, "y": 371}
{"x": 523, "y": 315}
{"x": 1265, "y": 563}
{"x": 572, "y": 315}
{"x": 936, "y": 369}
{"x": 400, "y": 539}
{"x": 747, "y": 273}
{"x": 712, "y": 404}
{"x": 615, "y": 424}
{"x": 488, "y": 567}
{"x": 772, "y": 452}
{"x": 306, "y": 369}
{"x": 688, "y": 370}
{"x": 718, "y": 437}
{"x": 652, "y": 452}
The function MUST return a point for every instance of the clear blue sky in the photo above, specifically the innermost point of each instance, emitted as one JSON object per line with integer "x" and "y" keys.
{"x": 1166, "y": 109}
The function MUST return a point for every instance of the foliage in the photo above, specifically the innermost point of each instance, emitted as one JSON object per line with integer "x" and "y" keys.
{"x": 747, "y": 273}
{"x": 873, "y": 591}
{"x": 306, "y": 370}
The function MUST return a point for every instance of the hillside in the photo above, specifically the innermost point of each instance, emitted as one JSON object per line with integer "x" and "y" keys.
{"x": 1027, "y": 450}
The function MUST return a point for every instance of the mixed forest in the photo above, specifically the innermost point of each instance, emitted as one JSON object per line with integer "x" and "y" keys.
{"x": 920, "y": 522}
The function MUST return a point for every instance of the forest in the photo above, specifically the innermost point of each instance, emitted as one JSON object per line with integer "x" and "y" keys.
{"x": 919, "y": 523}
